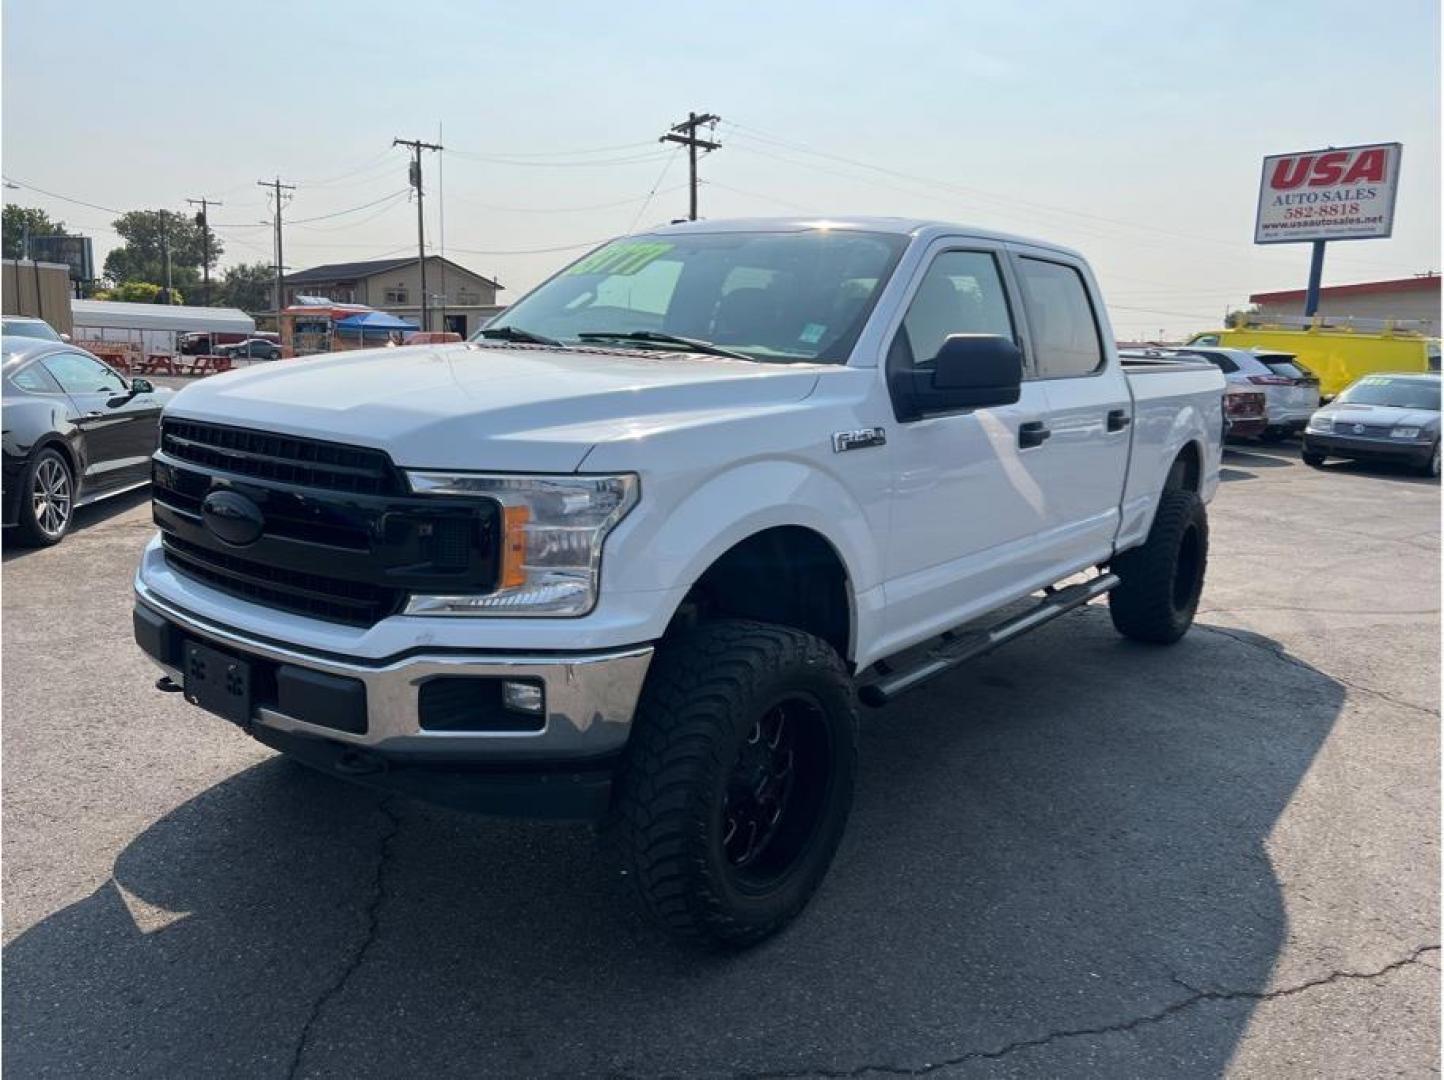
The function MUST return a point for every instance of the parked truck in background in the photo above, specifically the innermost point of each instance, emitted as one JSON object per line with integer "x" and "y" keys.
{"x": 635, "y": 552}
{"x": 1338, "y": 351}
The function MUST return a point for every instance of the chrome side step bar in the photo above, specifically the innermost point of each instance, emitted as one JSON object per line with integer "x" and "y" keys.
{"x": 955, "y": 649}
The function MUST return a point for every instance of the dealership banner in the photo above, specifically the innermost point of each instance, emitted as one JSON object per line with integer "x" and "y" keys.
{"x": 1335, "y": 194}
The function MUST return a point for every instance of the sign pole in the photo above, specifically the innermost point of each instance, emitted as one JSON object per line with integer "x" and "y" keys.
{"x": 1316, "y": 275}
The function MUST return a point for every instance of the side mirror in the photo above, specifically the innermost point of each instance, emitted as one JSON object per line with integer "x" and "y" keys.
{"x": 971, "y": 371}
{"x": 142, "y": 386}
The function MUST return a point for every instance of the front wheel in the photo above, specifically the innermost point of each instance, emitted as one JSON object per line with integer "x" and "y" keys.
{"x": 735, "y": 787}
{"x": 1162, "y": 580}
{"x": 47, "y": 499}
{"x": 1313, "y": 461}
{"x": 1431, "y": 467}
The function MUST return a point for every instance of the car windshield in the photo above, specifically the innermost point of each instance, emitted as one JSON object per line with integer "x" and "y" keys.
{"x": 30, "y": 328}
{"x": 774, "y": 296}
{"x": 1399, "y": 393}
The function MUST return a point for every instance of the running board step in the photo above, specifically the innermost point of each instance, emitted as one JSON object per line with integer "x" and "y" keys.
{"x": 970, "y": 644}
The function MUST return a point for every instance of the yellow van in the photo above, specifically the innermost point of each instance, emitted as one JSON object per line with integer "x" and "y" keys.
{"x": 1336, "y": 351}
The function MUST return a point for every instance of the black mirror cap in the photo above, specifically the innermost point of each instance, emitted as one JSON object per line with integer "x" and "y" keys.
{"x": 971, "y": 371}
{"x": 979, "y": 362}
{"x": 142, "y": 386}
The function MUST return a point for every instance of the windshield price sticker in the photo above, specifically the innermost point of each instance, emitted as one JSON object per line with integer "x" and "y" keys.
{"x": 622, "y": 259}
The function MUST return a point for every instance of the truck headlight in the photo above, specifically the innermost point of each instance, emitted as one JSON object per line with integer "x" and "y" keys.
{"x": 1404, "y": 433}
{"x": 1321, "y": 423}
{"x": 550, "y": 540}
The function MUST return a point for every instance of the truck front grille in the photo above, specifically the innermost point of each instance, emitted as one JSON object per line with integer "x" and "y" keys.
{"x": 343, "y": 538}
{"x": 287, "y": 459}
{"x": 321, "y": 597}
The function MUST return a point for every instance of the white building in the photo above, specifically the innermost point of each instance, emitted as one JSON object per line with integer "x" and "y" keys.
{"x": 153, "y": 328}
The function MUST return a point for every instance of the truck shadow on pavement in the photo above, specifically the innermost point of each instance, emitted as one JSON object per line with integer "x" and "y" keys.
{"x": 1052, "y": 852}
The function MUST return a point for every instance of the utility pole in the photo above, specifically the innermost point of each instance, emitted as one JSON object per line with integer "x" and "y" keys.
{"x": 277, "y": 187}
{"x": 685, "y": 134}
{"x": 416, "y": 147}
{"x": 204, "y": 222}
{"x": 165, "y": 253}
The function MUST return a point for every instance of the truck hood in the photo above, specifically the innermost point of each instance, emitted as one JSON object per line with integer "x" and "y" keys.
{"x": 474, "y": 406}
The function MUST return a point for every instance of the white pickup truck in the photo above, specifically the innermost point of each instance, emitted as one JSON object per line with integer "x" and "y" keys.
{"x": 634, "y": 553}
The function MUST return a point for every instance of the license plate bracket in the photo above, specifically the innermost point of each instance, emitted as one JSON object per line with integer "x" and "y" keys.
{"x": 218, "y": 682}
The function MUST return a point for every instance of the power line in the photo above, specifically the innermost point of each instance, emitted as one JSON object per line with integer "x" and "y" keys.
{"x": 62, "y": 198}
{"x": 655, "y": 185}
{"x": 534, "y": 251}
{"x": 685, "y": 134}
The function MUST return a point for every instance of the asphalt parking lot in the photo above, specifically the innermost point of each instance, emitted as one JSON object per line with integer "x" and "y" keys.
{"x": 1077, "y": 857}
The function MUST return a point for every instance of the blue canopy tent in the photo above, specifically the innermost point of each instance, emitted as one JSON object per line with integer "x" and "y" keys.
{"x": 374, "y": 324}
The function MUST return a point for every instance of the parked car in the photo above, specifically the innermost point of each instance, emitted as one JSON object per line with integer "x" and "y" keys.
{"x": 1291, "y": 392}
{"x": 635, "y": 554}
{"x": 1392, "y": 417}
{"x": 22, "y": 326}
{"x": 1245, "y": 413}
{"x": 75, "y": 431}
{"x": 251, "y": 349}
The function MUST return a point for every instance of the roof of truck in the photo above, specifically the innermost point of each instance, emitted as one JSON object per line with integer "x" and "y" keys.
{"x": 921, "y": 228}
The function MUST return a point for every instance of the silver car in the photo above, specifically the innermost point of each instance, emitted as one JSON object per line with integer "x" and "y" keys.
{"x": 1387, "y": 417}
{"x": 1291, "y": 391}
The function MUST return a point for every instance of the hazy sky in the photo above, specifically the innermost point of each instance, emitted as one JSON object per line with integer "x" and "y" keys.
{"x": 1133, "y": 131}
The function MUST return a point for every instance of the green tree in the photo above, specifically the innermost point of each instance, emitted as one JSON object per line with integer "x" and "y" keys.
{"x": 142, "y": 256}
{"x": 248, "y": 286}
{"x": 138, "y": 292}
{"x": 20, "y": 219}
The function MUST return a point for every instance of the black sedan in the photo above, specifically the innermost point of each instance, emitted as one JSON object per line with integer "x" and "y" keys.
{"x": 74, "y": 431}
{"x": 251, "y": 349}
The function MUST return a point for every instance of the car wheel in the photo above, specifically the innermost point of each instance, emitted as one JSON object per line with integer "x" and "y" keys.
{"x": 47, "y": 499}
{"x": 1273, "y": 435}
{"x": 1312, "y": 460}
{"x": 1431, "y": 467}
{"x": 737, "y": 781}
{"x": 1162, "y": 580}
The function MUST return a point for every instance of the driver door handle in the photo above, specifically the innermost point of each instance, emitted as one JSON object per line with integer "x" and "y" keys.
{"x": 1033, "y": 433}
{"x": 1118, "y": 419}
{"x": 93, "y": 414}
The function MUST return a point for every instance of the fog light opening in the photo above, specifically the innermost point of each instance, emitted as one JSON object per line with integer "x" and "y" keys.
{"x": 523, "y": 697}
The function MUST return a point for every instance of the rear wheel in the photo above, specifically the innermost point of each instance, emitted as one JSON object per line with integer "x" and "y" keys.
{"x": 737, "y": 781}
{"x": 1162, "y": 580}
{"x": 47, "y": 499}
{"x": 1273, "y": 435}
{"x": 1312, "y": 460}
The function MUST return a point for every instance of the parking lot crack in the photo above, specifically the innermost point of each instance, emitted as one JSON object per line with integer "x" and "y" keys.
{"x": 1243, "y": 637}
{"x": 358, "y": 954}
{"x": 1195, "y": 997}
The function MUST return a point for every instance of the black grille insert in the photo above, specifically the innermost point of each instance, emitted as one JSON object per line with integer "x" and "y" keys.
{"x": 352, "y": 602}
{"x": 286, "y": 459}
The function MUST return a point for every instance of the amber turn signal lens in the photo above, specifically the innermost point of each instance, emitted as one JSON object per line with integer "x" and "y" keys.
{"x": 513, "y": 546}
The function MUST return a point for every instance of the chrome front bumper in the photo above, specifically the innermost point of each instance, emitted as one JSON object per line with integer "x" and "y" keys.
{"x": 590, "y": 697}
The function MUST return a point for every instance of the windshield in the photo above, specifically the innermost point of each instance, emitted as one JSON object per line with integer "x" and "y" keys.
{"x": 30, "y": 328}
{"x": 1285, "y": 369}
{"x": 1399, "y": 393}
{"x": 776, "y": 296}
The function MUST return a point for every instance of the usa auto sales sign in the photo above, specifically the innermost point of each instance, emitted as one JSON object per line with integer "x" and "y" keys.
{"x": 1335, "y": 194}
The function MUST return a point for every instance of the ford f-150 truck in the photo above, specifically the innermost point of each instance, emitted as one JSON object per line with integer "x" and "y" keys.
{"x": 635, "y": 552}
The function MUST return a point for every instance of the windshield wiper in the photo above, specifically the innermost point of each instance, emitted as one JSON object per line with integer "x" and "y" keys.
{"x": 657, "y": 337}
{"x": 516, "y": 333}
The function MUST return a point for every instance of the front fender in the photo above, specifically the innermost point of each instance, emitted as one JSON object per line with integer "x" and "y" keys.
{"x": 694, "y": 526}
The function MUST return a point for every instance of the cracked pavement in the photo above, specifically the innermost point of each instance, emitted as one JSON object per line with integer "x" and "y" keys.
{"x": 1076, "y": 857}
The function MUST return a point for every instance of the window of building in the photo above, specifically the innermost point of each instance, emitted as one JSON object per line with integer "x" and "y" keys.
{"x": 397, "y": 294}
{"x": 1065, "y": 330}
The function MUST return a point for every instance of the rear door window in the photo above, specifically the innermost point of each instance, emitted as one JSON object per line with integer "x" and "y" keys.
{"x": 1065, "y": 328}
{"x": 34, "y": 379}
